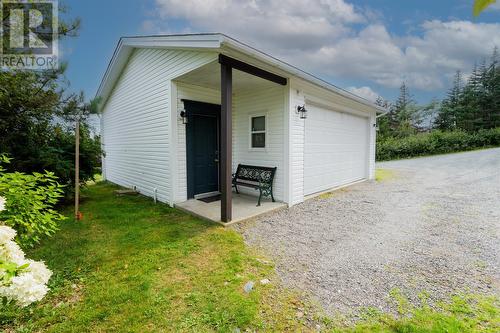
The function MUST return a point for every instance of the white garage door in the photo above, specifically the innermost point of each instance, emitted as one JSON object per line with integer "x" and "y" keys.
{"x": 336, "y": 149}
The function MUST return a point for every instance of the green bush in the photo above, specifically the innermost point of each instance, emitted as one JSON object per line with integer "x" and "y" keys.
{"x": 435, "y": 142}
{"x": 54, "y": 150}
{"x": 29, "y": 204}
{"x": 58, "y": 156}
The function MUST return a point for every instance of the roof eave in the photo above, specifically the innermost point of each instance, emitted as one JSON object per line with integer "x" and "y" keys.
{"x": 126, "y": 45}
{"x": 214, "y": 42}
{"x": 231, "y": 43}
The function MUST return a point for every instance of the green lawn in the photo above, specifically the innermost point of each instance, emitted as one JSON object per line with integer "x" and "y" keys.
{"x": 133, "y": 266}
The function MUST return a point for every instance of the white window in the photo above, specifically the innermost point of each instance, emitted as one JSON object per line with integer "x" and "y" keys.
{"x": 258, "y": 131}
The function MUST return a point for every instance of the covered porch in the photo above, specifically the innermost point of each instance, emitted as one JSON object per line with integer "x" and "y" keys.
{"x": 229, "y": 113}
{"x": 243, "y": 208}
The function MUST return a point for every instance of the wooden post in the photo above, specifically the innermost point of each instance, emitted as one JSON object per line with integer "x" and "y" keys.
{"x": 77, "y": 169}
{"x": 226, "y": 142}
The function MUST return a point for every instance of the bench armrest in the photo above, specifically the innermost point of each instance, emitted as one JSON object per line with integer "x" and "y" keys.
{"x": 265, "y": 184}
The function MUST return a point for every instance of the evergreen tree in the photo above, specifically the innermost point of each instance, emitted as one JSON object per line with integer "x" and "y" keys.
{"x": 495, "y": 88}
{"x": 403, "y": 115}
{"x": 490, "y": 103}
{"x": 477, "y": 105}
{"x": 447, "y": 115}
{"x": 480, "y": 106}
{"x": 383, "y": 122}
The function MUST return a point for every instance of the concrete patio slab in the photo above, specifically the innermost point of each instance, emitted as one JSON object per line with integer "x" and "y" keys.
{"x": 244, "y": 208}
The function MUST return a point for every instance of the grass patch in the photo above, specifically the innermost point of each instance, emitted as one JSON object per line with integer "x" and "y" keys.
{"x": 133, "y": 266}
{"x": 463, "y": 313}
{"x": 326, "y": 195}
{"x": 382, "y": 175}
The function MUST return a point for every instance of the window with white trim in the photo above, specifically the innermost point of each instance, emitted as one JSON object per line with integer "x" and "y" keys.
{"x": 258, "y": 132}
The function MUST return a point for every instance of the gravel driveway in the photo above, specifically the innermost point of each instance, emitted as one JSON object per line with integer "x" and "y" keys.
{"x": 434, "y": 227}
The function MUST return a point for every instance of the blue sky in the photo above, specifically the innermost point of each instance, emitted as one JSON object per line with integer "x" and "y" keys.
{"x": 368, "y": 47}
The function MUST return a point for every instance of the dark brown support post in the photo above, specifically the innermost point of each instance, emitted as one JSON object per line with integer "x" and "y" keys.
{"x": 226, "y": 142}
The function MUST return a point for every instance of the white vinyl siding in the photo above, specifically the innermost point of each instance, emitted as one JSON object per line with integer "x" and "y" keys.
{"x": 296, "y": 149}
{"x": 372, "y": 145}
{"x": 135, "y": 120}
{"x": 269, "y": 102}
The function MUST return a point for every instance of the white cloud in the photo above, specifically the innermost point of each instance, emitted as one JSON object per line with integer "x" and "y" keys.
{"x": 495, "y": 6}
{"x": 335, "y": 39}
{"x": 365, "y": 92}
{"x": 274, "y": 24}
{"x": 251, "y": 10}
{"x": 423, "y": 61}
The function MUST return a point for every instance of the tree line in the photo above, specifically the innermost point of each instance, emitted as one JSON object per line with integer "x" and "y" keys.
{"x": 37, "y": 122}
{"x": 470, "y": 105}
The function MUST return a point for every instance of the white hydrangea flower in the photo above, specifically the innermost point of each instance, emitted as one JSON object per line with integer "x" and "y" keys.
{"x": 30, "y": 285}
{"x": 2, "y": 203}
{"x": 24, "y": 289}
{"x": 40, "y": 272}
{"x": 11, "y": 252}
{"x": 6, "y": 233}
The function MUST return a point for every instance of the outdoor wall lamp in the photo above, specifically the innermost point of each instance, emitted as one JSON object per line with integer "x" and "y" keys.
{"x": 184, "y": 117}
{"x": 301, "y": 110}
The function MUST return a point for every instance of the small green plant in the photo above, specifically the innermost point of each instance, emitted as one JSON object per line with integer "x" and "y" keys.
{"x": 10, "y": 270}
{"x": 404, "y": 306}
{"x": 30, "y": 204}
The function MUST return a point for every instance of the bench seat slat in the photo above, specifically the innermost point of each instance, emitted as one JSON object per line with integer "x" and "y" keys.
{"x": 247, "y": 184}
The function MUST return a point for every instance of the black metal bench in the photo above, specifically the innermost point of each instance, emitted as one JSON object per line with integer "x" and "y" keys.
{"x": 256, "y": 177}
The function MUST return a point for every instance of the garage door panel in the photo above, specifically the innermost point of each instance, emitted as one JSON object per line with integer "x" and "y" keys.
{"x": 336, "y": 149}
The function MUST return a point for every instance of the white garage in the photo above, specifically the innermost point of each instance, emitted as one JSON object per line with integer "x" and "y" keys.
{"x": 336, "y": 149}
{"x": 171, "y": 126}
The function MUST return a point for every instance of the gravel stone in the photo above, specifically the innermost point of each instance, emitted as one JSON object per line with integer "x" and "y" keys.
{"x": 264, "y": 281}
{"x": 248, "y": 286}
{"x": 434, "y": 227}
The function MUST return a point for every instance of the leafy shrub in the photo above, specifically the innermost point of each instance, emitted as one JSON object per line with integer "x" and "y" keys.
{"x": 58, "y": 156}
{"x": 435, "y": 142}
{"x": 54, "y": 150}
{"x": 29, "y": 204}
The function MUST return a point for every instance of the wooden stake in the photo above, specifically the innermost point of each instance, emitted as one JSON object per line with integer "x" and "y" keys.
{"x": 77, "y": 170}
